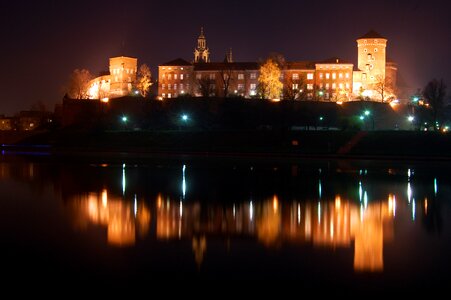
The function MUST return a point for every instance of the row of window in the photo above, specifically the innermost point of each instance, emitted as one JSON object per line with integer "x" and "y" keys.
{"x": 128, "y": 71}
{"x": 176, "y": 76}
{"x": 181, "y": 86}
{"x": 334, "y": 75}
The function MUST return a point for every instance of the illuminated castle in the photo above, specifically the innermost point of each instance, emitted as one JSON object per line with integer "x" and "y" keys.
{"x": 328, "y": 80}
{"x": 118, "y": 82}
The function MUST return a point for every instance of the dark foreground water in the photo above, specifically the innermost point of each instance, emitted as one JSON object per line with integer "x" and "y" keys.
{"x": 341, "y": 224}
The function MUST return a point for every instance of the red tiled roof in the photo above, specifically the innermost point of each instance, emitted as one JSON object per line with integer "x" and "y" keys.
{"x": 177, "y": 62}
{"x": 223, "y": 65}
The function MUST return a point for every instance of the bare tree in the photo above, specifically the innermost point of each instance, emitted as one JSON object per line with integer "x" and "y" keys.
{"x": 79, "y": 84}
{"x": 144, "y": 81}
{"x": 206, "y": 86}
{"x": 434, "y": 92}
{"x": 384, "y": 87}
{"x": 226, "y": 76}
{"x": 294, "y": 89}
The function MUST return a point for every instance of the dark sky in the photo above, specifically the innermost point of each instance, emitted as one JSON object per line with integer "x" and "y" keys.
{"x": 43, "y": 42}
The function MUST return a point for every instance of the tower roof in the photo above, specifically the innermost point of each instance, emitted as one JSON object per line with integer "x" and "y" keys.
{"x": 202, "y": 36}
{"x": 372, "y": 35}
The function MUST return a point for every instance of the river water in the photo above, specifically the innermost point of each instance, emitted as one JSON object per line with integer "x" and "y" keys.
{"x": 343, "y": 224}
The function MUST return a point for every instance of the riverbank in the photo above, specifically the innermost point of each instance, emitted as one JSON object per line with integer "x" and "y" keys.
{"x": 262, "y": 143}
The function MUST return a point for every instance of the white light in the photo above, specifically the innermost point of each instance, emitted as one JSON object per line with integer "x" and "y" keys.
{"x": 123, "y": 179}
{"x": 319, "y": 189}
{"x": 413, "y": 210}
{"x": 435, "y": 186}
{"x": 181, "y": 209}
{"x": 319, "y": 212}
{"x": 234, "y": 211}
{"x": 365, "y": 199}
{"x": 251, "y": 211}
{"x": 299, "y": 213}
{"x": 360, "y": 191}
{"x": 409, "y": 192}
{"x": 183, "y": 182}
{"x": 136, "y": 206}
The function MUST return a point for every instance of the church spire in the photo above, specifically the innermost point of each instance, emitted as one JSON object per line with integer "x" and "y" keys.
{"x": 201, "y": 52}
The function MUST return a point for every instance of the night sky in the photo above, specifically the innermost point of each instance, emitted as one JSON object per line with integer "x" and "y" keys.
{"x": 43, "y": 42}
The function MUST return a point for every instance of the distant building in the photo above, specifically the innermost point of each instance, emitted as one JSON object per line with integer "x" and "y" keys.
{"x": 328, "y": 80}
{"x": 6, "y": 123}
{"x": 118, "y": 82}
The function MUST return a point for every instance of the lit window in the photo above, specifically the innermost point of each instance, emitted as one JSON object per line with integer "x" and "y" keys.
{"x": 240, "y": 76}
{"x": 169, "y": 76}
{"x": 240, "y": 86}
{"x": 320, "y": 85}
{"x": 295, "y": 86}
{"x": 321, "y": 75}
{"x": 253, "y": 75}
{"x": 326, "y": 95}
{"x": 253, "y": 85}
{"x": 334, "y": 75}
{"x": 198, "y": 76}
{"x": 169, "y": 86}
{"x": 347, "y": 75}
{"x": 347, "y": 86}
{"x": 295, "y": 76}
{"x": 164, "y": 76}
{"x": 310, "y": 86}
{"x": 181, "y": 86}
{"x": 163, "y": 86}
{"x": 327, "y": 86}
{"x": 310, "y": 76}
{"x": 212, "y": 76}
{"x": 163, "y": 95}
{"x": 169, "y": 95}
{"x": 116, "y": 79}
{"x": 340, "y": 86}
{"x": 334, "y": 86}
{"x": 175, "y": 76}
{"x": 181, "y": 76}
{"x": 327, "y": 75}
{"x": 340, "y": 75}
{"x": 175, "y": 86}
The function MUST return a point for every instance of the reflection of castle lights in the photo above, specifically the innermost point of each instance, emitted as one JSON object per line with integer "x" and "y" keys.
{"x": 435, "y": 186}
{"x": 413, "y": 209}
{"x": 275, "y": 203}
{"x": 123, "y": 179}
{"x": 409, "y": 192}
{"x": 251, "y": 211}
{"x": 183, "y": 182}
{"x": 425, "y": 206}
{"x": 104, "y": 198}
{"x": 337, "y": 202}
{"x": 392, "y": 204}
{"x": 299, "y": 213}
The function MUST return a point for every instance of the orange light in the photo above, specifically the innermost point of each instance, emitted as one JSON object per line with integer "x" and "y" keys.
{"x": 105, "y": 100}
{"x": 275, "y": 203}
{"x": 339, "y": 102}
{"x": 337, "y": 202}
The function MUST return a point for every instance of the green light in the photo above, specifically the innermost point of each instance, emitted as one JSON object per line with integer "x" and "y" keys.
{"x": 321, "y": 118}
{"x": 124, "y": 119}
{"x": 367, "y": 112}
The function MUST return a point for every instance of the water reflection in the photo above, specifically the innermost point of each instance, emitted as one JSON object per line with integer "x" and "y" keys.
{"x": 326, "y": 209}
{"x": 123, "y": 220}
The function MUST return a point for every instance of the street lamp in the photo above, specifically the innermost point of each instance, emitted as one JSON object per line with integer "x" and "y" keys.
{"x": 124, "y": 119}
{"x": 185, "y": 117}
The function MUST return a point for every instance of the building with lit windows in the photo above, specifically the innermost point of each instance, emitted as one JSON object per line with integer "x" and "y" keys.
{"x": 118, "y": 82}
{"x": 328, "y": 80}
